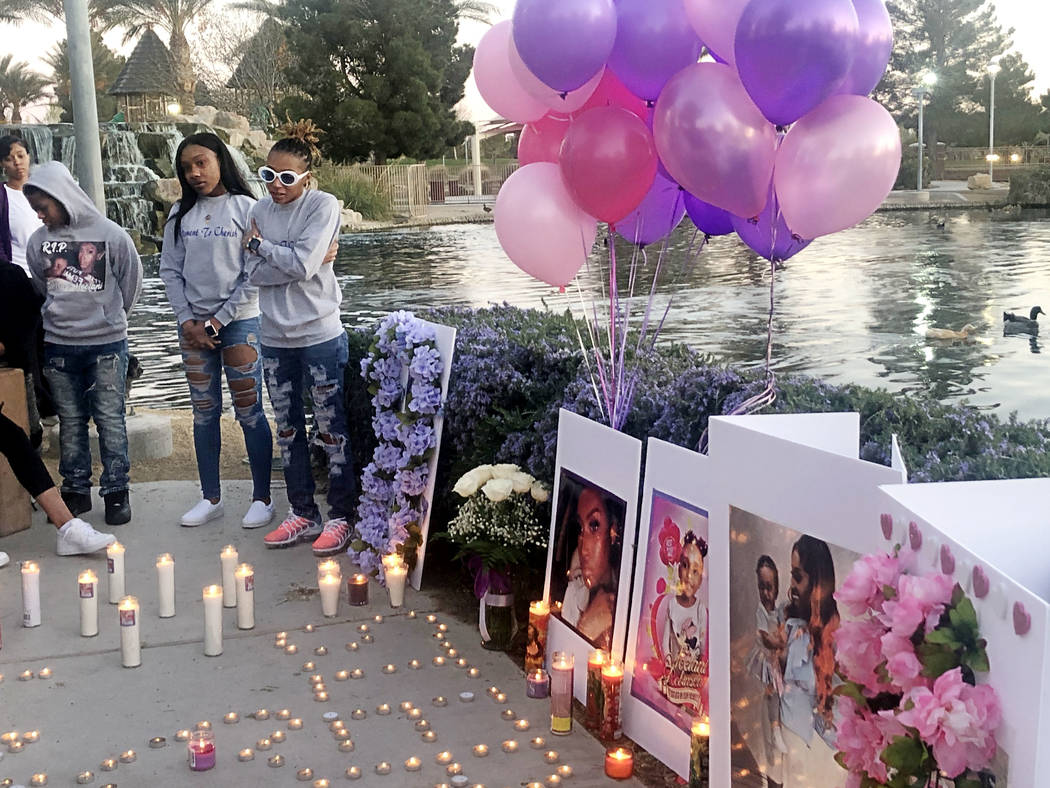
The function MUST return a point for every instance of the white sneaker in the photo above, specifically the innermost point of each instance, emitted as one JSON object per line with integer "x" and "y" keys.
{"x": 5, "y": 559}
{"x": 78, "y": 538}
{"x": 258, "y": 515}
{"x": 202, "y": 513}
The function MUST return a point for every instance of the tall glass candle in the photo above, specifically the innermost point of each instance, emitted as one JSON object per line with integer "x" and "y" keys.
{"x": 213, "y": 620}
{"x": 115, "y": 569}
{"x": 87, "y": 590}
{"x": 328, "y": 566}
{"x": 30, "y": 594}
{"x": 166, "y": 585}
{"x": 130, "y": 646}
{"x": 396, "y": 575}
{"x": 536, "y": 644}
{"x": 245, "y": 577}
{"x": 612, "y": 683}
{"x": 562, "y": 663}
{"x": 357, "y": 590}
{"x": 595, "y": 702}
{"x": 537, "y": 684}
{"x": 699, "y": 754}
{"x": 619, "y": 764}
{"x": 329, "y": 594}
{"x": 229, "y": 558}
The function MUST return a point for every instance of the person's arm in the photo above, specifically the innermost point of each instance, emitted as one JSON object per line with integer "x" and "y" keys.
{"x": 280, "y": 265}
{"x": 128, "y": 268}
{"x": 172, "y": 260}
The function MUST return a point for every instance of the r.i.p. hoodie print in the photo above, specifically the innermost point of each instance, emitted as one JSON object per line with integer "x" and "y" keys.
{"x": 89, "y": 269}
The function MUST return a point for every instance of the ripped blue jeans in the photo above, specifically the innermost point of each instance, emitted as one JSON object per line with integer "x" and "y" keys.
{"x": 237, "y": 354}
{"x": 322, "y": 367}
{"x": 89, "y": 380}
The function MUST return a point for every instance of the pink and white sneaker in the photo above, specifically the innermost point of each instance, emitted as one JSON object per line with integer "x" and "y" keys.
{"x": 294, "y": 529}
{"x": 333, "y": 539}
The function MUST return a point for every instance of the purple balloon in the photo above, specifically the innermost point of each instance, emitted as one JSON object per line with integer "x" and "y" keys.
{"x": 708, "y": 218}
{"x": 564, "y": 42}
{"x": 759, "y": 234}
{"x": 654, "y": 41}
{"x": 793, "y": 55}
{"x": 872, "y": 53}
{"x": 659, "y": 213}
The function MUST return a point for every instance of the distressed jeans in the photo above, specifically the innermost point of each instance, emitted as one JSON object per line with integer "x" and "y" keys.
{"x": 89, "y": 380}
{"x": 322, "y": 367}
{"x": 237, "y": 355}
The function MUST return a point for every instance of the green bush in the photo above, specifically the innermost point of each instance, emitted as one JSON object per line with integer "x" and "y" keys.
{"x": 356, "y": 190}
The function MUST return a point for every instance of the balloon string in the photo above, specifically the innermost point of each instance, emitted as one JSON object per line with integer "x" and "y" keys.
{"x": 583, "y": 346}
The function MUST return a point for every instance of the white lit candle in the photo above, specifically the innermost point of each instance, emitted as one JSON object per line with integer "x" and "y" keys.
{"x": 130, "y": 647}
{"x": 166, "y": 585}
{"x": 213, "y": 621}
{"x": 396, "y": 574}
{"x": 30, "y": 594}
{"x": 245, "y": 577}
{"x": 328, "y": 566}
{"x": 330, "y": 594}
{"x": 87, "y": 585}
{"x": 115, "y": 568}
{"x": 229, "y": 558}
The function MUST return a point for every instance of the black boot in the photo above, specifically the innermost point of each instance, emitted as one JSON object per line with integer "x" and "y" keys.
{"x": 78, "y": 503}
{"x": 118, "y": 508}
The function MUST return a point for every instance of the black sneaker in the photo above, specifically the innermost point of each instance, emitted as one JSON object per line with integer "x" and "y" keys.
{"x": 118, "y": 508}
{"x": 78, "y": 503}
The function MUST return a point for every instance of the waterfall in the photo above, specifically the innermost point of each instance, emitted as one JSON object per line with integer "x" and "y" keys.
{"x": 246, "y": 171}
{"x": 39, "y": 140}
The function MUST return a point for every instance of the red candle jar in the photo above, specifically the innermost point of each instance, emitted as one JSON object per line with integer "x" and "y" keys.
{"x": 200, "y": 751}
{"x": 536, "y": 643}
{"x": 357, "y": 590}
{"x": 619, "y": 764}
{"x": 595, "y": 702}
{"x": 612, "y": 683}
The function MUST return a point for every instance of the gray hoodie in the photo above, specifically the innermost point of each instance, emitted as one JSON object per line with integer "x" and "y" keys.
{"x": 89, "y": 268}
{"x": 299, "y": 295}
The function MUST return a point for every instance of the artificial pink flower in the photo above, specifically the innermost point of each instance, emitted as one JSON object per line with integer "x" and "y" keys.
{"x": 862, "y": 590}
{"x": 858, "y": 651}
{"x": 901, "y": 662}
{"x": 920, "y": 602}
{"x": 670, "y": 539}
{"x": 957, "y": 720}
{"x": 861, "y": 737}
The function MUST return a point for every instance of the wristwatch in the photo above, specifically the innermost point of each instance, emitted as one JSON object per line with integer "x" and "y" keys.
{"x": 209, "y": 329}
{"x": 253, "y": 245}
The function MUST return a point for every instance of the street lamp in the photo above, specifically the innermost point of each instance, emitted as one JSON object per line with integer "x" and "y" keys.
{"x": 929, "y": 79}
{"x": 993, "y": 70}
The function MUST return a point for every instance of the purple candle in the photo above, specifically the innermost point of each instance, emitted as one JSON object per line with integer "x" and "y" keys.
{"x": 537, "y": 684}
{"x": 200, "y": 751}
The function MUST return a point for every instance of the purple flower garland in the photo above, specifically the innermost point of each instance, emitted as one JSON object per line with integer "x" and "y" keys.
{"x": 403, "y": 372}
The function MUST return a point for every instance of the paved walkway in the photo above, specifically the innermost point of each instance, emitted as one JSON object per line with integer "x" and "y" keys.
{"x": 91, "y": 709}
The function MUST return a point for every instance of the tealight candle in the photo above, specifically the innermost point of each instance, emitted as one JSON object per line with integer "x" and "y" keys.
{"x": 415, "y": 664}
{"x": 492, "y": 691}
{"x": 396, "y": 575}
{"x": 461, "y": 662}
{"x": 85, "y": 777}
{"x": 291, "y": 648}
{"x": 40, "y": 778}
{"x": 213, "y": 604}
{"x": 228, "y": 558}
{"x": 304, "y": 774}
{"x": 551, "y": 756}
{"x": 231, "y": 717}
{"x": 509, "y": 745}
{"x": 278, "y": 736}
{"x": 308, "y": 628}
{"x": 594, "y": 703}
{"x": 247, "y": 754}
{"x": 157, "y": 742}
{"x": 411, "y": 613}
{"x": 383, "y": 767}
{"x": 453, "y": 769}
{"x": 413, "y": 764}
{"x": 452, "y": 653}
{"x": 45, "y": 673}
{"x": 431, "y": 618}
{"x": 165, "y": 585}
{"x": 321, "y": 783}
{"x": 700, "y": 753}
{"x": 438, "y": 661}
{"x": 321, "y": 697}
{"x": 280, "y": 642}
{"x": 383, "y": 708}
{"x": 367, "y": 639}
{"x": 501, "y": 697}
{"x": 378, "y": 618}
{"x": 407, "y": 705}
{"x": 329, "y": 585}
{"x": 357, "y": 590}
{"x": 429, "y": 736}
{"x": 30, "y": 594}
{"x": 16, "y": 746}
{"x": 115, "y": 569}
{"x": 329, "y": 566}
{"x": 440, "y": 700}
{"x": 244, "y": 577}
{"x": 128, "y": 756}
{"x": 508, "y": 714}
{"x": 521, "y": 725}
{"x": 31, "y": 737}
{"x": 537, "y": 684}
{"x": 565, "y": 771}
{"x": 358, "y": 714}
{"x": 275, "y": 761}
{"x": 87, "y": 588}
{"x": 619, "y": 764}
{"x": 442, "y": 627}
{"x": 443, "y": 757}
{"x": 263, "y": 744}
{"x": 362, "y": 627}
{"x": 260, "y": 714}
{"x": 561, "y": 693}
{"x": 295, "y": 724}
{"x": 336, "y": 725}
{"x": 353, "y": 772}
{"x": 130, "y": 646}
{"x": 357, "y": 673}
{"x": 415, "y": 714}
{"x": 108, "y": 765}
{"x": 552, "y": 781}
{"x": 612, "y": 683}
{"x": 537, "y": 742}
{"x": 474, "y": 673}
{"x": 283, "y": 714}
{"x": 422, "y": 725}
{"x": 25, "y": 675}
{"x": 346, "y": 745}
{"x": 341, "y": 735}
{"x": 182, "y": 735}
{"x": 481, "y": 750}
{"x": 9, "y": 736}
{"x": 390, "y": 668}
{"x": 316, "y": 678}
{"x": 342, "y": 675}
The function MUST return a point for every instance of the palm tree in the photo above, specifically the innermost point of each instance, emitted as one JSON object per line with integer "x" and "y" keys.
{"x": 175, "y": 16}
{"x": 30, "y": 10}
{"x": 19, "y": 87}
{"x": 476, "y": 10}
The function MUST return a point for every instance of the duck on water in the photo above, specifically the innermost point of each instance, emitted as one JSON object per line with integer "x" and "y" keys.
{"x": 1019, "y": 324}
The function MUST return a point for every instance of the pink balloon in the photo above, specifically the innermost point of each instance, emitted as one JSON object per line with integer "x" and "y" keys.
{"x": 713, "y": 140}
{"x": 541, "y": 141}
{"x": 611, "y": 92}
{"x": 715, "y": 22}
{"x": 608, "y": 160}
{"x": 557, "y": 101}
{"x": 496, "y": 81}
{"x": 540, "y": 228}
{"x": 836, "y": 165}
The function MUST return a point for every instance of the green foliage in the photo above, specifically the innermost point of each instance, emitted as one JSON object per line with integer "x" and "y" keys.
{"x": 107, "y": 65}
{"x": 1031, "y": 187}
{"x": 956, "y": 642}
{"x": 385, "y": 73}
{"x": 19, "y": 87}
{"x": 355, "y": 189}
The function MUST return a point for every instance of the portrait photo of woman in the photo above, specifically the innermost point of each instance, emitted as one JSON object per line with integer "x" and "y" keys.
{"x": 585, "y": 568}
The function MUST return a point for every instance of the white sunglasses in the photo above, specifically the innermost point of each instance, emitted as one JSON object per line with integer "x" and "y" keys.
{"x": 287, "y": 177}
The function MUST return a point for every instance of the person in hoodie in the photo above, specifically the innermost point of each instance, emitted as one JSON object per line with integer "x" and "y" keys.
{"x": 85, "y": 333}
{"x": 218, "y": 315}
{"x": 302, "y": 336}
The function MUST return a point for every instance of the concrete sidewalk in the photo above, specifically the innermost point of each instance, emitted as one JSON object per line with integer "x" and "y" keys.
{"x": 92, "y": 709}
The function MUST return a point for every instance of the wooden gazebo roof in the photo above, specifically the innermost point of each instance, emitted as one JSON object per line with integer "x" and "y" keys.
{"x": 148, "y": 70}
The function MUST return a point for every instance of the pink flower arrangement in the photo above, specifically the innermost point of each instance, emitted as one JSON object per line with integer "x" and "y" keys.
{"x": 910, "y": 710}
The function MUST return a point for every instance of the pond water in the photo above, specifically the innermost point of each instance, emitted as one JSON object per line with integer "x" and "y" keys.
{"x": 853, "y": 307}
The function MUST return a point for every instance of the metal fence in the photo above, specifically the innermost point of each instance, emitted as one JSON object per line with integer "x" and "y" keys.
{"x": 456, "y": 184}
{"x": 405, "y": 184}
{"x": 1011, "y": 154}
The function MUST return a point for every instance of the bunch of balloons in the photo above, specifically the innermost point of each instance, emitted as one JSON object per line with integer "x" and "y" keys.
{"x": 771, "y": 134}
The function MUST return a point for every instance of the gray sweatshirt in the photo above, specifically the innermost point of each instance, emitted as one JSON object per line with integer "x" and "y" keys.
{"x": 89, "y": 268}
{"x": 299, "y": 296}
{"x": 203, "y": 270}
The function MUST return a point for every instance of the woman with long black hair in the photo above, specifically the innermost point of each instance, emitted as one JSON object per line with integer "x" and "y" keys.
{"x": 217, "y": 310}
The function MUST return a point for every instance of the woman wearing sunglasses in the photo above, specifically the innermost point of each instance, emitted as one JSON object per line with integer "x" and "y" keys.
{"x": 303, "y": 340}
{"x": 202, "y": 267}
